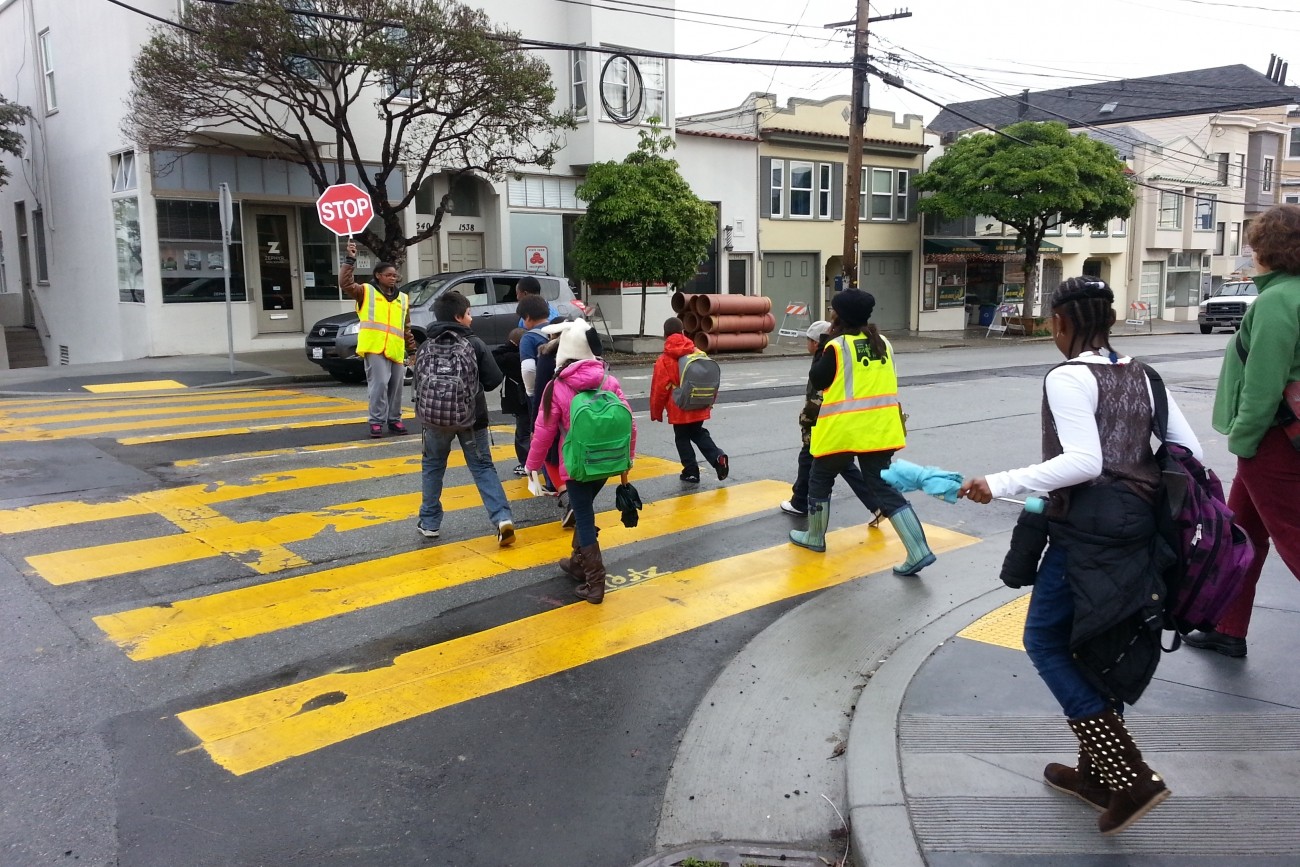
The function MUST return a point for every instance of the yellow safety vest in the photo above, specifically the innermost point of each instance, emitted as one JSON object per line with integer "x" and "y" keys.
{"x": 383, "y": 325}
{"x": 860, "y": 411}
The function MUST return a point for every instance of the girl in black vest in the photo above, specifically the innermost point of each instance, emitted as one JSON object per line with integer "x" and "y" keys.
{"x": 1093, "y": 626}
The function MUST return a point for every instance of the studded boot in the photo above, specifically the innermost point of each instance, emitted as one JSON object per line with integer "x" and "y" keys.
{"x": 1083, "y": 781}
{"x": 593, "y": 568}
{"x": 1135, "y": 789}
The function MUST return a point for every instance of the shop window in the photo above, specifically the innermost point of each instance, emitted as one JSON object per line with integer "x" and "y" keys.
{"x": 320, "y": 256}
{"x": 189, "y": 253}
{"x": 130, "y": 259}
{"x": 801, "y": 189}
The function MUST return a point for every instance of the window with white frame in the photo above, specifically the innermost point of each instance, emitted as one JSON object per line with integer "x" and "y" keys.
{"x": 1292, "y": 200}
{"x": 1053, "y": 225}
{"x": 825, "y": 195}
{"x": 1293, "y": 148}
{"x": 776, "y": 188}
{"x": 1220, "y": 236}
{"x": 878, "y": 199}
{"x": 654, "y": 89}
{"x": 1204, "y": 221}
{"x": 1234, "y": 239}
{"x": 900, "y": 195}
{"x": 801, "y": 189}
{"x": 1267, "y": 180}
{"x": 578, "y": 95}
{"x": 1171, "y": 210}
{"x": 543, "y": 191}
{"x": 1103, "y": 232}
{"x": 123, "y": 166}
{"x": 130, "y": 254}
{"x": 1239, "y": 172}
{"x": 1221, "y": 167}
{"x": 38, "y": 239}
{"x": 401, "y": 83}
{"x": 47, "y": 71}
{"x": 1119, "y": 228}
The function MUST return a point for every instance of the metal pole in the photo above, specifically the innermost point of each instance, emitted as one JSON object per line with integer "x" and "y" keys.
{"x": 226, "y": 207}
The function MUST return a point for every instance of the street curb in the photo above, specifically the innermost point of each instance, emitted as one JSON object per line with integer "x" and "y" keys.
{"x": 879, "y": 819}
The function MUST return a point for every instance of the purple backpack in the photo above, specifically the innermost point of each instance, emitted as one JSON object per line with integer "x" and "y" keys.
{"x": 1213, "y": 553}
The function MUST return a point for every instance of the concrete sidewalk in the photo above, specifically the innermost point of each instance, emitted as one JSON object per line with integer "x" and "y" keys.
{"x": 291, "y": 366}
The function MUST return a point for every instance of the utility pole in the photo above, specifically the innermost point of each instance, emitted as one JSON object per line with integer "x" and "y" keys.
{"x": 857, "y": 121}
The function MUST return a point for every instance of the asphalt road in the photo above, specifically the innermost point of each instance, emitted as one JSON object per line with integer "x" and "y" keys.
{"x": 226, "y": 644}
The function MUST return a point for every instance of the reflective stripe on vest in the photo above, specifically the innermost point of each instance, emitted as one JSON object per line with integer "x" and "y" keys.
{"x": 383, "y": 325}
{"x": 860, "y": 411}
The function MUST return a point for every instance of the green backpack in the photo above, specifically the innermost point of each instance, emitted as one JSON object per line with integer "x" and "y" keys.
{"x": 599, "y": 442}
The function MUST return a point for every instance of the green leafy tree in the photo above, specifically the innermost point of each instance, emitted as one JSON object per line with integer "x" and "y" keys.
{"x": 1033, "y": 178}
{"x": 643, "y": 222}
{"x": 12, "y": 115}
{"x": 382, "y": 88}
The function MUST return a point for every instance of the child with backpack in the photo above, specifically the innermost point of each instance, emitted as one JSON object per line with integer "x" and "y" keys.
{"x": 583, "y": 408}
{"x": 1095, "y": 614}
{"x": 453, "y": 372}
{"x": 685, "y": 382}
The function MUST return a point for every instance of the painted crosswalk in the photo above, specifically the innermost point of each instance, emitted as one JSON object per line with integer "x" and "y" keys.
{"x": 265, "y": 576}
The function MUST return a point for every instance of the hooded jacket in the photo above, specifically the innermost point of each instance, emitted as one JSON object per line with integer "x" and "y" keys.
{"x": 666, "y": 377}
{"x": 553, "y": 425}
{"x": 489, "y": 375}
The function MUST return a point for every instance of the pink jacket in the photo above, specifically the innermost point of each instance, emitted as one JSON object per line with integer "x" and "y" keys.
{"x": 578, "y": 376}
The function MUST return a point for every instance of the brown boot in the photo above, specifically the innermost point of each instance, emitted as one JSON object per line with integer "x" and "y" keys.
{"x": 1135, "y": 789}
{"x": 593, "y": 588}
{"x": 1082, "y": 781}
{"x": 572, "y": 565}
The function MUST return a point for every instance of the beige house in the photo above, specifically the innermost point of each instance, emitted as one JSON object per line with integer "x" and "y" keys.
{"x": 802, "y": 154}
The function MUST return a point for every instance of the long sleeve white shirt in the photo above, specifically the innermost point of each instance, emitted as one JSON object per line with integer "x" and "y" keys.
{"x": 1072, "y": 396}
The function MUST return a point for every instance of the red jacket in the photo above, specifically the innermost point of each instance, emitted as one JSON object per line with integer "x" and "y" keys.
{"x": 665, "y": 379}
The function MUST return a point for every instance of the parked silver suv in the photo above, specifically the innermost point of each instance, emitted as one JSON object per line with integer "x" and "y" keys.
{"x": 1227, "y": 306}
{"x": 332, "y": 342}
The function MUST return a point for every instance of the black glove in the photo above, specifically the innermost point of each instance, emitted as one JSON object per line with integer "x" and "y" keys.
{"x": 1028, "y": 539}
{"x": 628, "y": 502}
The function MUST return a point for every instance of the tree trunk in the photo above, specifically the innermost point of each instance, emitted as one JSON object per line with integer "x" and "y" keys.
{"x": 644, "y": 284}
{"x": 1031, "y": 277}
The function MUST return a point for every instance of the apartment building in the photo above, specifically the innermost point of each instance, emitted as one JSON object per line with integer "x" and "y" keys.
{"x": 111, "y": 253}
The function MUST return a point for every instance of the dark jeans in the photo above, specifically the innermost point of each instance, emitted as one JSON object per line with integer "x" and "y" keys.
{"x": 1263, "y": 498}
{"x": 1047, "y": 639}
{"x": 523, "y": 436}
{"x": 694, "y": 432}
{"x": 877, "y": 490}
{"x": 582, "y": 500}
{"x": 850, "y": 474}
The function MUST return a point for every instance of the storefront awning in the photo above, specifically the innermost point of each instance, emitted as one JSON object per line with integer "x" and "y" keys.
{"x": 1003, "y": 246}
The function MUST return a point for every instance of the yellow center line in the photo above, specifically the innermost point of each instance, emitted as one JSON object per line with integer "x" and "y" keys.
{"x": 206, "y": 621}
{"x": 260, "y": 730}
{"x": 96, "y": 429}
{"x": 244, "y": 540}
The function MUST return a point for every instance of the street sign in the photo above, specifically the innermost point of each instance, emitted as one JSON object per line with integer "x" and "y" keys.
{"x": 344, "y": 209}
{"x": 535, "y": 259}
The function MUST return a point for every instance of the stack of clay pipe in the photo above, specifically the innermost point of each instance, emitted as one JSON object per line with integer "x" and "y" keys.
{"x": 725, "y": 323}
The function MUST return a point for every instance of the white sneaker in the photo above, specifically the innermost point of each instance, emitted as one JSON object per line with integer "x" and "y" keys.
{"x": 789, "y": 509}
{"x": 425, "y": 531}
{"x": 505, "y": 533}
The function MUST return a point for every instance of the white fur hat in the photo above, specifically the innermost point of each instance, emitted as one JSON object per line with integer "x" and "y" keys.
{"x": 574, "y": 345}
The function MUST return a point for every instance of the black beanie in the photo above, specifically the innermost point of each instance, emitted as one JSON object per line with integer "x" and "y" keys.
{"x": 853, "y": 306}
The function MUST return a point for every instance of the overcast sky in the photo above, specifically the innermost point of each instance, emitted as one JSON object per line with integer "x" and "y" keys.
{"x": 1039, "y": 44}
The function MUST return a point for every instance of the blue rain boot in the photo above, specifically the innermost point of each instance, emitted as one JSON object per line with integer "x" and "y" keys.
{"x": 908, "y": 527}
{"x": 814, "y": 538}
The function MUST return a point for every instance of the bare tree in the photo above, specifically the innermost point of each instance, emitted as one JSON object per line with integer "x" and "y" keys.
{"x": 380, "y": 86}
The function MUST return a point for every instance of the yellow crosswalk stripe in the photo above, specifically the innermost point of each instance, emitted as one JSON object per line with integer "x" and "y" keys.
{"x": 11, "y": 407}
{"x": 45, "y": 516}
{"x": 290, "y": 402}
{"x": 289, "y": 451}
{"x": 150, "y": 385}
{"x": 238, "y": 431}
{"x": 28, "y": 434}
{"x": 260, "y": 730}
{"x": 206, "y": 621}
{"x": 256, "y": 544}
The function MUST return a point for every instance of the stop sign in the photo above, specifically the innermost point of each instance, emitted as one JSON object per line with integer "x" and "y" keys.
{"x": 344, "y": 209}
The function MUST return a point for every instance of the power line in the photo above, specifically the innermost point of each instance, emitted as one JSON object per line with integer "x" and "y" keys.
{"x": 729, "y": 26}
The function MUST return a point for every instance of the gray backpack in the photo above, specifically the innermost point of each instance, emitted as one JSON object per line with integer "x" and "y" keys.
{"x": 446, "y": 382}
{"x": 698, "y": 377}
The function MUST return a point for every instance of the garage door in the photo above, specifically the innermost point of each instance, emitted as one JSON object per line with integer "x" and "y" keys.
{"x": 790, "y": 278}
{"x": 888, "y": 276}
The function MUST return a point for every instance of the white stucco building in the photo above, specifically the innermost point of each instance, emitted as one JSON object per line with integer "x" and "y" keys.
{"x": 112, "y": 254}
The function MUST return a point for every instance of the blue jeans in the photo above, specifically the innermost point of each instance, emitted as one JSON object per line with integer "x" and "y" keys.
{"x": 1047, "y": 639}
{"x": 478, "y": 457}
{"x": 582, "y": 500}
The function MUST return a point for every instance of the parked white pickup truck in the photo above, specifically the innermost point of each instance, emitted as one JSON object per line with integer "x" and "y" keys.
{"x": 1227, "y": 306}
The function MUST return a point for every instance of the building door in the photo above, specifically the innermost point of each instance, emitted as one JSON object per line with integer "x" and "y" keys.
{"x": 464, "y": 251}
{"x": 24, "y": 264}
{"x": 1050, "y": 275}
{"x": 273, "y": 278}
{"x": 888, "y": 276}
{"x": 1153, "y": 277}
{"x": 791, "y": 278}
{"x": 430, "y": 262}
{"x": 738, "y": 276}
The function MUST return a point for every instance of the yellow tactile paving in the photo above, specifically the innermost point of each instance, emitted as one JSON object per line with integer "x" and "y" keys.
{"x": 1004, "y": 627}
{"x": 260, "y": 730}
